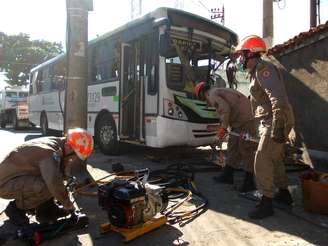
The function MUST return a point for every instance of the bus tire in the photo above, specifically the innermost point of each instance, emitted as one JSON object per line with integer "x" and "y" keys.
{"x": 44, "y": 124}
{"x": 106, "y": 135}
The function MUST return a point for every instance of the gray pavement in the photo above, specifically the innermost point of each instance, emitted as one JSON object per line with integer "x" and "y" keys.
{"x": 224, "y": 223}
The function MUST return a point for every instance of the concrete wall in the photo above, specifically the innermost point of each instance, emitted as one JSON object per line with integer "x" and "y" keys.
{"x": 305, "y": 71}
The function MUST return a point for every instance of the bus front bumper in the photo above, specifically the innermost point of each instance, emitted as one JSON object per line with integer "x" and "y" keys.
{"x": 171, "y": 132}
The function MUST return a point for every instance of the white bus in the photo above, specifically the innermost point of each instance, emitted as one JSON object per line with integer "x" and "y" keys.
{"x": 13, "y": 107}
{"x": 141, "y": 78}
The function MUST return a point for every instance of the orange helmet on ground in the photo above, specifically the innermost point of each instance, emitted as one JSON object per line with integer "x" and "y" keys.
{"x": 252, "y": 43}
{"x": 80, "y": 141}
{"x": 200, "y": 89}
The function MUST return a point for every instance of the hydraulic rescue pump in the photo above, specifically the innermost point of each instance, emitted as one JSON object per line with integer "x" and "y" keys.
{"x": 131, "y": 203}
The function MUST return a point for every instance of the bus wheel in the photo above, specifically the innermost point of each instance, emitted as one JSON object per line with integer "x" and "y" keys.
{"x": 44, "y": 125}
{"x": 106, "y": 135}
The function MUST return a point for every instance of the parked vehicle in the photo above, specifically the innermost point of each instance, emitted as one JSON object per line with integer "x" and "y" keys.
{"x": 13, "y": 107}
{"x": 141, "y": 82}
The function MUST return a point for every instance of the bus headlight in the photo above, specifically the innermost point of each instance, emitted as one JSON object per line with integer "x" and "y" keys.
{"x": 173, "y": 111}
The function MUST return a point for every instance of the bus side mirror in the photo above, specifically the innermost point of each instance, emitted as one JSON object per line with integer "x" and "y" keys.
{"x": 164, "y": 44}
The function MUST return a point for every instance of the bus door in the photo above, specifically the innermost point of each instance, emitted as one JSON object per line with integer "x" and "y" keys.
{"x": 131, "y": 98}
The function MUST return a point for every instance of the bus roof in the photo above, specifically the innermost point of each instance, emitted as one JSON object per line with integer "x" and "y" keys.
{"x": 157, "y": 13}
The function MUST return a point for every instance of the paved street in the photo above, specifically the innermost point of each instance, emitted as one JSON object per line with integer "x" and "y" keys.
{"x": 224, "y": 223}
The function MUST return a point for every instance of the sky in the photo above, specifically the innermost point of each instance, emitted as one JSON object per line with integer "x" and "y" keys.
{"x": 46, "y": 19}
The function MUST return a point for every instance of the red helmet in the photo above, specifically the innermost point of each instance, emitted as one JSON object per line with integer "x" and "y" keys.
{"x": 80, "y": 141}
{"x": 199, "y": 89}
{"x": 252, "y": 43}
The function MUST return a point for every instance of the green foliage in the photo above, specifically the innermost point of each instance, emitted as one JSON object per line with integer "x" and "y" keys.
{"x": 18, "y": 54}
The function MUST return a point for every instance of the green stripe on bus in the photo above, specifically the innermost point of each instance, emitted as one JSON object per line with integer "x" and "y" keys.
{"x": 115, "y": 98}
{"x": 199, "y": 107}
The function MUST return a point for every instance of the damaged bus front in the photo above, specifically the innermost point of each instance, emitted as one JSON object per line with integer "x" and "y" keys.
{"x": 191, "y": 50}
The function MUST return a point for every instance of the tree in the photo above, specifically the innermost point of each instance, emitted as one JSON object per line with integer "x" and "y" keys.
{"x": 18, "y": 54}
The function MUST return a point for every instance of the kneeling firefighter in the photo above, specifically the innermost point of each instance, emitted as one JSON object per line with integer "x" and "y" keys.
{"x": 33, "y": 175}
{"x": 234, "y": 110}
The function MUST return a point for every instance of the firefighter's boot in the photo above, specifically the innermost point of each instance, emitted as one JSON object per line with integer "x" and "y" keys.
{"x": 283, "y": 196}
{"x": 248, "y": 184}
{"x": 226, "y": 177}
{"x": 262, "y": 210}
{"x": 16, "y": 216}
{"x": 49, "y": 212}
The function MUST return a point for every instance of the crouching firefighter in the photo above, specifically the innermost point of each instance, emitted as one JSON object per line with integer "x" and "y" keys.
{"x": 33, "y": 175}
{"x": 234, "y": 110}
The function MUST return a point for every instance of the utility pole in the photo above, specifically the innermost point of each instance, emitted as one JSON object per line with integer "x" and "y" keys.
{"x": 77, "y": 63}
{"x": 136, "y": 8}
{"x": 179, "y": 4}
{"x": 313, "y": 13}
{"x": 267, "y": 28}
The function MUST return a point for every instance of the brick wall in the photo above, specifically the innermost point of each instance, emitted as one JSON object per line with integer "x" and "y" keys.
{"x": 305, "y": 71}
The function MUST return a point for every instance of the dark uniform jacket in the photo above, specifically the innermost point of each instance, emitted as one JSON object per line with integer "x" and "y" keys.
{"x": 268, "y": 94}
{"x": 39, "y": 157}
{"x": 233, "y": 107}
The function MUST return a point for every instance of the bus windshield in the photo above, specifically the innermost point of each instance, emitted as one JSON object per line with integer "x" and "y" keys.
{"x": 11, "y": 94}
{"x": 190, "y": 61}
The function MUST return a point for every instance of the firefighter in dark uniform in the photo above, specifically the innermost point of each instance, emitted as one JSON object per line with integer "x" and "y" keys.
{"x": 274, "y": 114}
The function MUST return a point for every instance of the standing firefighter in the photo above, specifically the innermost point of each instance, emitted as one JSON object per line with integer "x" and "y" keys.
{"x": 234, "y": 109}
{"x": 33, "y": 175}
{"x": 272, "y": 110}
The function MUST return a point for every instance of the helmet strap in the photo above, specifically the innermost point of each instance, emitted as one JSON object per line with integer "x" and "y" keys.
{"x": 250, "y": 55}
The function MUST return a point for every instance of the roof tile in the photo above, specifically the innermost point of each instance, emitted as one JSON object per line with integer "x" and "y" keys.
{"x": 298, "y": 39}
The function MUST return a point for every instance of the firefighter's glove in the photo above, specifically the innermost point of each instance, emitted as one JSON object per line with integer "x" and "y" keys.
{"x": 221, "y": 134}
{"x": 278, "y": 131}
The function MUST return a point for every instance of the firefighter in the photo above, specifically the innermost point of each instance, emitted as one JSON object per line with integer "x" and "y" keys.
{"x": 234, "y": 110}
{"x": 272, "y": 110}
{"x": 33, "y": 175}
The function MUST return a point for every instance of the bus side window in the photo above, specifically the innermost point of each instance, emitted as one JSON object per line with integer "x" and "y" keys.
{"x": 38, "y": 82}
{"x": 58, "y": 77}
{"x": 104, "y": 65}
{"x": 46, "y": 82}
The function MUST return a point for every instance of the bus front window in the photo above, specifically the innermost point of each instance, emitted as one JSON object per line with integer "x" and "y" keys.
{"x": 189, "y": 62}
{"x": 11, "y": 94}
